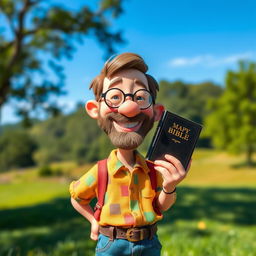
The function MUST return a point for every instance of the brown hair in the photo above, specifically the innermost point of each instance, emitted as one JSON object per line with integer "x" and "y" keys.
{"x": 121, "y": 62}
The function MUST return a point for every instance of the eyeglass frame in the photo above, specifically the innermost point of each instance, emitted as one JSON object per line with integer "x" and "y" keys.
{"x": 103, "y": 95}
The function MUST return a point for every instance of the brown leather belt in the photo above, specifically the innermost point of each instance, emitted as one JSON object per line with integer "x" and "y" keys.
{"x": 130, "y": 234}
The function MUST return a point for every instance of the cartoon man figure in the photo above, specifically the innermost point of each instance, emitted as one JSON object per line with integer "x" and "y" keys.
{"x": 125, "y": 108}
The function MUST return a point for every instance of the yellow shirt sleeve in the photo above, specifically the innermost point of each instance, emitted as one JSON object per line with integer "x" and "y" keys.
{"x": 84, "y": 189}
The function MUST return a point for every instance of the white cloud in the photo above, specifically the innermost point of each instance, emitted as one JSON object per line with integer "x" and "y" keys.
{"x": 210, "y": 60}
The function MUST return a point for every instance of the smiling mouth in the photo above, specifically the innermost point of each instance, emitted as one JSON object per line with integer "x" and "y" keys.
{"x": 127, "y": 126}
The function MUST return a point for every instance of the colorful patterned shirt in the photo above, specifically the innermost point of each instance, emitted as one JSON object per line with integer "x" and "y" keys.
{"x": 129, "y": 195}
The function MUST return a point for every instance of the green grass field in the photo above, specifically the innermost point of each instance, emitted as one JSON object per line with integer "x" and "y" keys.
{"x": 214, "y": 214}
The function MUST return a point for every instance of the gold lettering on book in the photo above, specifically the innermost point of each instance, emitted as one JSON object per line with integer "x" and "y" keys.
{"x": 179, "y": 131}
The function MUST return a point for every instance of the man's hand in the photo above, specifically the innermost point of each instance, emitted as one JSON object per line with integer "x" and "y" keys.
{"x": 94, "y": 230}
{"x": 172, "y": 171}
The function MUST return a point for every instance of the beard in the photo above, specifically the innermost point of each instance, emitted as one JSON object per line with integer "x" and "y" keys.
{"x": 125, "y": 140}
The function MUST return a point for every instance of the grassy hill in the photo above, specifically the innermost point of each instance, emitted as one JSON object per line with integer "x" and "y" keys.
{"x": 219, "y": 169}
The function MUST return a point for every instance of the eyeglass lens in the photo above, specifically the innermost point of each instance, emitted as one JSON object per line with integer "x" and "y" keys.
{"x": 115, "y": 97}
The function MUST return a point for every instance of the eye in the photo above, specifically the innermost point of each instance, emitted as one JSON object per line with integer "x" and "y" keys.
{"x": 115, "y": 97}
{"x": 140, "y": 98}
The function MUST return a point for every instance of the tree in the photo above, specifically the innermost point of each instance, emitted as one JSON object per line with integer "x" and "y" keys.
{"x": 188, "y": 100}
{"x": 233, "y": 119}
{"x": 16, "y": 150}
{"x": 37, "y": 34}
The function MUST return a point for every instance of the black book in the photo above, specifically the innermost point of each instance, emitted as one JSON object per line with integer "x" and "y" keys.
{"x": 176, "y": 136}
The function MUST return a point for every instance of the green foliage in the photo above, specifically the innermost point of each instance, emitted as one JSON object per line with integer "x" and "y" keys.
{"x": 47, "y": 171}
{"x": 73, "y": 137}
{"x": 188, "y": 100}
{"x": 34, "y": 38}
{"x": 16, "y": 150}
{"x": 233, "y": 119}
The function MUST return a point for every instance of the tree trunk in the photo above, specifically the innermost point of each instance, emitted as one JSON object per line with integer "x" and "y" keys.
{"x": 249, "y": 155}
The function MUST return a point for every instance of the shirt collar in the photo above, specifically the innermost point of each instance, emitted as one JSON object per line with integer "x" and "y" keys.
{"x": 114, "y": 164}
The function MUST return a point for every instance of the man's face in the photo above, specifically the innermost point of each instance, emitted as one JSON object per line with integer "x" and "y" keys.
{"x": 126, "y": 125}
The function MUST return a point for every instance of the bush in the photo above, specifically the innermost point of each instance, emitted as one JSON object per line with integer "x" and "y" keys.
{"x": 16, "y": 150}
{"x": 46, "y": 171}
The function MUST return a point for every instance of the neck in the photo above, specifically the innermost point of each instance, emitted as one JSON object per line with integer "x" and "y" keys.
{"x": 127, "y": 157}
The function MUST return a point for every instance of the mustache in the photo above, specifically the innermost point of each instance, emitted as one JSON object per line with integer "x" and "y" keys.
{"x": 117, "y": 117}
{"x": 130, "y": 140}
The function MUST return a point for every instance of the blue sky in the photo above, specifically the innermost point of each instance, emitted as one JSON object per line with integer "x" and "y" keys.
{"x": 193, "y": 41}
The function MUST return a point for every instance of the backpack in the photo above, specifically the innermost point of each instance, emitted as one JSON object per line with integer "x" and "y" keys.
{"x": 103, "y": 181}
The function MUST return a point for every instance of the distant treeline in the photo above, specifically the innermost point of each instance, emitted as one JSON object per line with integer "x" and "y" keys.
{"x": 76, "y": 136}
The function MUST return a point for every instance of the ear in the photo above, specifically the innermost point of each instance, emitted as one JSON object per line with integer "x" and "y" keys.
{"x": 158, "y": 111}
{"x": 92, "y": 108}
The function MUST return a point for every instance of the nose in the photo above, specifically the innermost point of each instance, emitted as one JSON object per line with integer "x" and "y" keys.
{"x": 129, "y": 108}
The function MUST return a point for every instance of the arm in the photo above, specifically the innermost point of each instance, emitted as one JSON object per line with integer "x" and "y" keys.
{"x": 165, "y": 201}
{"x": 87, "y": 212}
{"x": 82, "y": 191}
{"x": 172, "y": 173}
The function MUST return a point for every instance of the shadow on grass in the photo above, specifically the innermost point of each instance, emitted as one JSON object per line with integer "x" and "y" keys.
{"x": 243, "y": 165}
{"x": 226, "y": 205}
{"x": 56, "y": 224}
{"x": 52, "y": 228}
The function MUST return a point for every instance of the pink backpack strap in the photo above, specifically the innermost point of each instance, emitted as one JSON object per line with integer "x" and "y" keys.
{"x": 153, "y": 180}
{"x": 102, "y": 187}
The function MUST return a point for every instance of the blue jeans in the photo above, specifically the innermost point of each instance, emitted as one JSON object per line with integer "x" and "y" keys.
{"x": 122, "y": 247}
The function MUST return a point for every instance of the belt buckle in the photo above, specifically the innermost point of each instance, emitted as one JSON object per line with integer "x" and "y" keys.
{"x": 130, "y": 232}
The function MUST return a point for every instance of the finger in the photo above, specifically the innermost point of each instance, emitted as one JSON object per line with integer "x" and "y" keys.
{"x": 175, "y": 174}
{"x": 176, "y": 162}
{"x": 167, "y": 165}
{"x": 94, "y": 236}
{"x": 167, "y": 175}
{"x": 168, "y": 178}
{"x": 162, "y": 170}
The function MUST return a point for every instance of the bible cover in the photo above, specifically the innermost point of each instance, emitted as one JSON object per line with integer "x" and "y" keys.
{"x": 176, "y": 136}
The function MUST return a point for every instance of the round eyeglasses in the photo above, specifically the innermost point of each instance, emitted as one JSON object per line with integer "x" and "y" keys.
{"x": 115, "y": 97}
